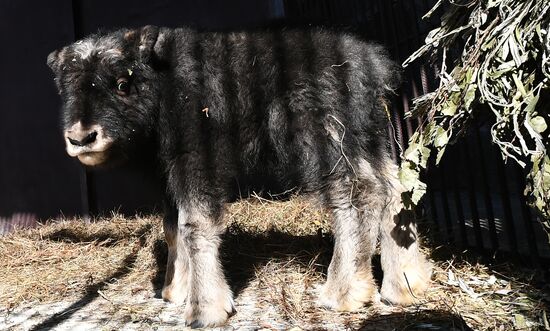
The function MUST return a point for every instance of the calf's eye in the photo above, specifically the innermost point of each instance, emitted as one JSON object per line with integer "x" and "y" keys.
{"x": 122, "y": 86}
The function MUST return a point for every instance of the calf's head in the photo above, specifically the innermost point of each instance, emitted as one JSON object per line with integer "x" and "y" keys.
{"x": 110, "y": 86}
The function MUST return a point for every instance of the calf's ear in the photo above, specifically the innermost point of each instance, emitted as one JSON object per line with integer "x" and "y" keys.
{"x": 53, "y": 60}
{"x": 153, "y": 43}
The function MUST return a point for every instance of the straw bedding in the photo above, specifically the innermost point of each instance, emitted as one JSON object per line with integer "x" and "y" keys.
{"x": 108, "y": 274}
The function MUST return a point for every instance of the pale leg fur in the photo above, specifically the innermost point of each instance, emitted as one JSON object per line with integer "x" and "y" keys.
{"x": 177, "y": 267}
{"x": 209, "y": 299}
{"x": 406, "y": 271}
{"x": 350, "y": 283}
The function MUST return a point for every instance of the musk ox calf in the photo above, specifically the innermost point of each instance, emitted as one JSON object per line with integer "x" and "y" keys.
{"x": 228, "y": 113}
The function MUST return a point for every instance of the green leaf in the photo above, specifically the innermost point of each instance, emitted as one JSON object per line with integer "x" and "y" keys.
{"x": 469, "y": 74}
{"x": 469, "y": 96}
{"x": 412, "y": 153}
{"x": 441, "y": 138}
{"x": 531, "y": 101}
{"x": 489, "y": 44}
{"x": 539, "y": 32}
{"x": 546, "y": 174}
{"x": 418, "y": 192}
{"x": 414, "y": 137}
{"x": 504, "y": 51}
{"x": 449, "y": 108}
{"x": 539, "y": 203}
{"x": 493, "y": 3}
{"x": 509, "y": 51}
{"x": 408, "y": 175}
{"x": 514, "y": 50}
{"x": 428, "y": 132}
{"x": 425, "y": 155}
{"x": 520, "y": 322}
{"x": 519, "y": 85}
{"x": 538, "y": 123}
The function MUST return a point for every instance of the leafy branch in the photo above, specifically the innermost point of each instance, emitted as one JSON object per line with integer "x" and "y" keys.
{"x": 504, "y": 64}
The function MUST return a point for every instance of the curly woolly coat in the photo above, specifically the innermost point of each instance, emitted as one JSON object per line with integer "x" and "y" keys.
{"x": 225, "y": 114}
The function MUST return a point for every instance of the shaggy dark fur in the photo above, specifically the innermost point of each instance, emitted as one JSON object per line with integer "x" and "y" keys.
{"x": 230, "y": 113}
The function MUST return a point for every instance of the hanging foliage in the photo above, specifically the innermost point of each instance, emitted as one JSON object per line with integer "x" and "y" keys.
{"x": 504, "y": 69}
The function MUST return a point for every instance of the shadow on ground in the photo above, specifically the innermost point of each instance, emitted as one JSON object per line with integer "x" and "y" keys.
{"x": 511, "y": 266}
{"x": 422, "y": 320}
{"x": 92, "y": 290}
{"x": 244, "y": 253}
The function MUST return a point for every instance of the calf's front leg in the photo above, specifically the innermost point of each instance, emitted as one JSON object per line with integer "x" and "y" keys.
{"x": 209, "y": 299}
{"x": 177, "y": 267}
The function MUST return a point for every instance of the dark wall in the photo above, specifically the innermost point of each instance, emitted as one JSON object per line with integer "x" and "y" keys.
{"x": 37, "y": 178}
{"x": 91, "y": 15}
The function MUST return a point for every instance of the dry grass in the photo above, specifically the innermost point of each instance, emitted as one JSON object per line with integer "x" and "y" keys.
{"x": 297, "y": 217}
{"x": 275, "y": 255}
{"x": 60, "y": 259}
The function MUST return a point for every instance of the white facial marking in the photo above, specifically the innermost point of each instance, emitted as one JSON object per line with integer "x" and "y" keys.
{"x": 90, "y": 154}
{"x": 87, "y": 47}
{"x": 92, "y": 159}
{"x": 84, "y": 48}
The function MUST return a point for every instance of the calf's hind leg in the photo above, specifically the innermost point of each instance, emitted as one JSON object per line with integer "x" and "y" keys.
{"x": 406, "y": 271}
{"x": 350, "y": 283}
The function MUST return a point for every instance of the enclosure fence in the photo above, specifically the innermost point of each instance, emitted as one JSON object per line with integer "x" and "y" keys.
{"x": 474, "y": 199}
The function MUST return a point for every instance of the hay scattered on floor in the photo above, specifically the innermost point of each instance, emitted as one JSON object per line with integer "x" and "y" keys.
{"x": 61, "y": 259}
{"x": 297, "y": 217}
{"x": 275, "y": 254}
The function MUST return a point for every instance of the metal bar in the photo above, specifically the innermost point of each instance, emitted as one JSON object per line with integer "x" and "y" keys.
{"x": 392, "y": 142}
{"x": 458, "y": 203}
{"x": 485, "y": 191}
{"x": 433, "y": 208}
{"x": 446, "y": 210}
{"x": 395, "y": 15}
{"x": 505, "y": 198}
{"x": 472, "y": 199}
{"x": 419, "y": 119}
{"x": 424, "y": 79}
{"x": 405, "y": 101}
{"x": 527, "y": 219}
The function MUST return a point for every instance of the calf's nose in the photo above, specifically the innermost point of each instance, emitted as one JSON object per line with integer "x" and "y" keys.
{"x": 81, "y": 138}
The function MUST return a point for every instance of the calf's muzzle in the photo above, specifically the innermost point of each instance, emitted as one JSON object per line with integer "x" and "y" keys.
{"x": 82, "y": 138}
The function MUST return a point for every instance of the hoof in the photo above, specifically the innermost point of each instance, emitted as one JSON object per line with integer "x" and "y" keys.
{"x": 348, "y": 297}
{"x": 174, "y": 294}
{"x": 404, "y": 289}
{"x": 209, "y": 314}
